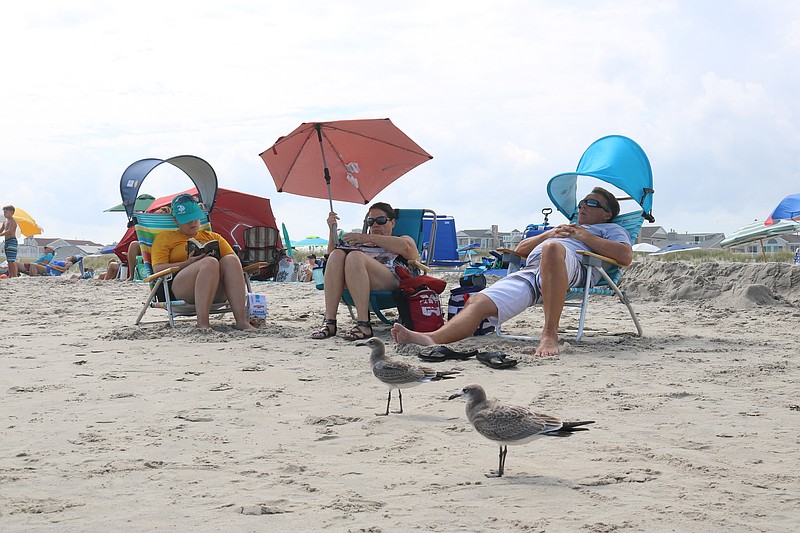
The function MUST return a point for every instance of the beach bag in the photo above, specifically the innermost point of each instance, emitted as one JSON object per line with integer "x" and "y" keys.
{"x": 458, "y": 298}
{"x": 420, "y": 310}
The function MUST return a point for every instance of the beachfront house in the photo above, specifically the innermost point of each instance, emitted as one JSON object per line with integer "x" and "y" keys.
{"x": 33, "y": 247}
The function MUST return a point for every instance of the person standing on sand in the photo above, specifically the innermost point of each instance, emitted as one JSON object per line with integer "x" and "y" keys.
{"x": 9, "y": 231}
{"x": 552, "y": 266}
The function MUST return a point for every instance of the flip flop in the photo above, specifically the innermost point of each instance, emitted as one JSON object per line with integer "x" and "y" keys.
{"x": 443, "y": 353}
{"x": 496, "y": 360}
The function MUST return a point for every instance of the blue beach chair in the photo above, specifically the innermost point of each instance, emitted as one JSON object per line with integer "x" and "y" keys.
{"x": 444, "y": 255}
{"x": 620, "y": 162}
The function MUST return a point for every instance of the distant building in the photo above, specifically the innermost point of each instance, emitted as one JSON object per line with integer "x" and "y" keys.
{"x": 658, "y": 236}
{"x": 34, "y": 247}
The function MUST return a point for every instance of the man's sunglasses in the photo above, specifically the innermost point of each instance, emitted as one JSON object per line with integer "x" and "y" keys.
{"x": 381, "y": 220}
{"x": 591, "y": 202}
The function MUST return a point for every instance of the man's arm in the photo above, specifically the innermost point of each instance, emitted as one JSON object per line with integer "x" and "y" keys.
{"x": 526, "y": 246}
{"x": 620, "y": 252}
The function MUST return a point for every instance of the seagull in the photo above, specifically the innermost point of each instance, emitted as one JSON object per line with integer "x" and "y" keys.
{"x": 399, "y": 374}
{"x": 509, "y": 424}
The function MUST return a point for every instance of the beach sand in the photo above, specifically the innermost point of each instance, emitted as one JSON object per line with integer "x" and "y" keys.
{"x": 111, "y": 427}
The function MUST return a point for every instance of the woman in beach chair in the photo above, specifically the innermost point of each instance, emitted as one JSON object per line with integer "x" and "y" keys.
{"x": 201, "y": 279}
{"x": 56, "y": 268}
{"x": 354, "y": 266}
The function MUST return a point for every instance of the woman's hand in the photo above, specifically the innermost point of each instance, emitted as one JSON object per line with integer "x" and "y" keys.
{"x": 361, "y": 239}
{"x": 332, "y": 218}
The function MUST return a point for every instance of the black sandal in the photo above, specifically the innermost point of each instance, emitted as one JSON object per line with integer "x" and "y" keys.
{"x": 357, "y": 334}
{"x": 327, "y": 330}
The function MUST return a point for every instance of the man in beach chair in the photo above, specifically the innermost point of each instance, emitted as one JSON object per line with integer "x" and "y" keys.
{"x": 200, "y": 283}
{"x": 553, "y": 267}
{"x": 570, "y": 259}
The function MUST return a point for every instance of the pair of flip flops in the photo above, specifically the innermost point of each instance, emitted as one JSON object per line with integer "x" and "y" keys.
{"x": 496, "y": 360}
{"x": 443, "y": 353}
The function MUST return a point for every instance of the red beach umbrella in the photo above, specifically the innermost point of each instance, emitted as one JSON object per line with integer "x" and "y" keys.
{"x": 347, "y": 160}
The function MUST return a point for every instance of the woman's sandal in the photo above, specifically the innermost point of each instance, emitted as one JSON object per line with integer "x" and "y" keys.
{"x": 357, "y": 334}
{"x": 327, "y": 330}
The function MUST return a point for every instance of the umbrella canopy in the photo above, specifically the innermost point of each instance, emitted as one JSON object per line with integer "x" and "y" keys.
{"x": 675, "y": 247}
{"x": 143, "y": 201}
{"x": 27, "y": 225}
{"x": 310, "y": 241}
{"x": 757, "y": 230}
{"x": 645, "y": 247}
{"x": 788, "y": 209}
{"x": 347, "y": 160}
{"x": 109, "y": 249}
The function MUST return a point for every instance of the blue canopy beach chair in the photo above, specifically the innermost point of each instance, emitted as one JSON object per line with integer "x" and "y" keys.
{"x": 620, "y": 162}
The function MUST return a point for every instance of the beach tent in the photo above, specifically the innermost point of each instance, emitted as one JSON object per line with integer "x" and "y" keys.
{"x": 645, "y": 247}
{"x": 233, "y": 213}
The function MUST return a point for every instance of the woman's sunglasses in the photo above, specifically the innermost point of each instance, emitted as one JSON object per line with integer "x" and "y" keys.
{"x": 591, "y": 202}
{"x": 381, "y": 220}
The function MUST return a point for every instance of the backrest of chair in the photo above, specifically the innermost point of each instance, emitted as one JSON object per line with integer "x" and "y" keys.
{"x": 260, "y": 245}
{"x": 446, "y": 247}
{"x": 410, "y": 222}
{"x": 149, "y": 225}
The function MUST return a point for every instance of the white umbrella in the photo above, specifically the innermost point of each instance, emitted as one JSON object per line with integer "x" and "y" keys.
{"x": 645, "y": 247}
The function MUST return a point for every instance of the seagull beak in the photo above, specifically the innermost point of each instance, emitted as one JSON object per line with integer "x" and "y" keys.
{"x": 456, "y": 395}
{"x": 361, "y": 343}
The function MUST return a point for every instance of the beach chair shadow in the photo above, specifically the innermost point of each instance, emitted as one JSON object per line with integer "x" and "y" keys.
{"x": 407, "y": 222}
{"x": 148, "y": 226}
{"x": 620, "y": 162}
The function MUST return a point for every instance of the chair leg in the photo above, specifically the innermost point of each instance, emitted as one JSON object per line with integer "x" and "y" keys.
{"x": 148, "y": 301}
{"x": 585, "y": 303}
{"x": 624, "y": 299}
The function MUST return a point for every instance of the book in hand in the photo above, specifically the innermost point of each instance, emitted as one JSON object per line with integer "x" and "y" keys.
{"x": 203, "y": 248}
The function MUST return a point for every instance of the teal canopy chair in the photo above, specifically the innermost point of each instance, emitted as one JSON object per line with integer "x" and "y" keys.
{"x": 620, "y": 162}
{"x": 407, "y": 222}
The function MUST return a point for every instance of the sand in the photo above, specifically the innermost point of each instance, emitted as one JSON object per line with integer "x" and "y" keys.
{"x": 111, "y": 427}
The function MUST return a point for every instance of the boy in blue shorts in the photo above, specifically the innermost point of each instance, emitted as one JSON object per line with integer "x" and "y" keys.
{"x": 9, "y": 232}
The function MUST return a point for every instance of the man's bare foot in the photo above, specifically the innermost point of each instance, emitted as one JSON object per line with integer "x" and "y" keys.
{"x": 244, "y": 326}
{"x": 548, "y": 346}
{"x": 402, "y": 335}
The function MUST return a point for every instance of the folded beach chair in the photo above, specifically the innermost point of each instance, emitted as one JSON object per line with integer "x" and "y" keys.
{"x": 440, "y": 249}
{"x": 148, "y": 225}
{"x": 620, "y": 162}
{"x": 408, "y": 222}
{"x": 261, "y": 245}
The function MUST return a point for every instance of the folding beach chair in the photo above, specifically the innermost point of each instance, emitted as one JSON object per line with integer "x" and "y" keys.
{"x": 261, "y": 245}
{"x": 148, "y": 226}
{"x": 408, "y": 222}
{"x": 443, "y": 255}
{"x": 620, "y": 162}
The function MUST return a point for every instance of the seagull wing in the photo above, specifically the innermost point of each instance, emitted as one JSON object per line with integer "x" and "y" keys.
{"x": 511, "y": 423}
{"x": 394, "y": 372}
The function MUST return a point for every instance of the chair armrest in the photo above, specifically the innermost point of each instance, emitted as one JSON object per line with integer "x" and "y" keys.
{"x": 255, "y": 266}
{"x": 600, "y": 257}
{"x": 422, "y": 266}
{"x": 510, "y": 251}
{"x": 160, "y": 274}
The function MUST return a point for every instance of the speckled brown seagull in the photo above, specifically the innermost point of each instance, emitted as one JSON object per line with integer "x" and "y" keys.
{"x": 509, "y": 425}
{"x": 399, "y": 374}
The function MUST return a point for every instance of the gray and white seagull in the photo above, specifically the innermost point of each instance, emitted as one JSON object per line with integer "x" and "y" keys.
{"x": 399, "y": 374}
{"x": 509, "y": 425}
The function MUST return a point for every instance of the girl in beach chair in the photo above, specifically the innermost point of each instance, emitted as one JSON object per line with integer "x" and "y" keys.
{"x": 201, "y": 284}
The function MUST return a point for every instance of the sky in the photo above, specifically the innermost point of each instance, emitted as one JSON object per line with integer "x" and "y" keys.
{"x": 503, "y": 94}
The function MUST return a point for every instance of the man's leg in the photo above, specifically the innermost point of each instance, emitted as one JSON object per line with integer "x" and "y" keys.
{"x": 555, "y": 282}
{"x": 463, "y": 325}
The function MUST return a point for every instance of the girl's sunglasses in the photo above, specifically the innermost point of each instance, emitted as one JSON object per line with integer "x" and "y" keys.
{"x": 591, "y": 202}
{"x": 381, "y": 220}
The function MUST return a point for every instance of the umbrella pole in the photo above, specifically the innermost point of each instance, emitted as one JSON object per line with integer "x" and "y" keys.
{"x": 318, "y": 127}
{"x": 763, "y": 251}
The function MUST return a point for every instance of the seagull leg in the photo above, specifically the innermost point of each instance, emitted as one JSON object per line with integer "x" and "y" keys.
{"x": 400, "y": 395}
{"x": 502, "y": 463}
{"x": 388, "y": 401}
